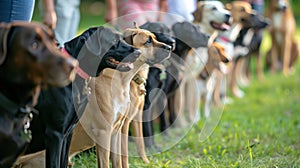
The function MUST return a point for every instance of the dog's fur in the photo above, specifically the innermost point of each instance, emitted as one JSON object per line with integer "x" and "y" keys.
{"x": 96, "y": 48}
{"x": 205, "y": 82}
{"x": 29, "y": 60}
{"x": 110, "y": 99}
{"x": 284, "y": 51}
{"x": 241, "y": 13}
{"x": 249, "y": 37}
{"x": 212, "y": 16}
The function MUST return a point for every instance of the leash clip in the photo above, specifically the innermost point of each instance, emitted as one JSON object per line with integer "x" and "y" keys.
{"x": 86, "y": 89}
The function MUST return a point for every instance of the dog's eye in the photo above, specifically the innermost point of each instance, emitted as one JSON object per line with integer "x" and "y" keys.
{"x": 214, "y": 8}
{"x": 35, "y": 45}
{"x": 243, "y": 9}
{"x": 149, "y": 41}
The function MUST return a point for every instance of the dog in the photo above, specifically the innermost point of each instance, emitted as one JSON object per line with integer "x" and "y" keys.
{"x": 110, "y": 100}
{"x": 208, "y": 78}
{"x": 212, "y": 18}
{"x": 29, "y": 61}
{"x": 187, "y": 35}
{"x": 96, "y": 49}
{"x": 249, "y": 37}
{"x": 241, "y": 13}
{"x": 284, "y": 48}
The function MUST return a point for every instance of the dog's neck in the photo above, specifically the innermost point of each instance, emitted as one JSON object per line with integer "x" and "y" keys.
{"x": 20, "y": 94}
{"x": 233, "y": 33}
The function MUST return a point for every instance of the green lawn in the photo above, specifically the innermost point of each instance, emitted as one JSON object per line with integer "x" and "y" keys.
{"x": 260, "y": 130}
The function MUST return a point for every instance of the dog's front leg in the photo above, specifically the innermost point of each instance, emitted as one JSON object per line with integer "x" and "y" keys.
{"x": 115, "y": 150}
{"x": 53, "y": 148}
{"x": 274, "y": 54}
{"x": 103, "y": 148}
{"x": 124, "y": 142}
{"x": 137, "y": 130}
{"x": 286, "y": 54}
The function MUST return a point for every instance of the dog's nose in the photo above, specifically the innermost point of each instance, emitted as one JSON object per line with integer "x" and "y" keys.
{"x": 227, "y": 16}
{"x": 166, "y": 47}
{"x": 137, "y": 53}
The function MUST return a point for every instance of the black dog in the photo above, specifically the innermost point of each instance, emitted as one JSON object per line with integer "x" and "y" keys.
{"x": 29, "y": 59}
{"x": 187, "y": 36}
{"x": 95, "y": 49}
{"x": 255, "y": 26}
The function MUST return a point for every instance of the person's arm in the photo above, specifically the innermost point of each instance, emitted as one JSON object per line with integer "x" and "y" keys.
{"x": 49, "y": 14}
{"x": 111, "y": 10}
{"x": 163, "y": 7}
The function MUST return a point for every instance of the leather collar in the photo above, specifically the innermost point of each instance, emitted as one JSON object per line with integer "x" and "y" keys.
{"x": 13, "y": 108}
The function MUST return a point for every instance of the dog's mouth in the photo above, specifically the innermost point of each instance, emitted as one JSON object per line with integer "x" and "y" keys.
{"x": 121, "y": 66}
{"x": 220, "y": 26}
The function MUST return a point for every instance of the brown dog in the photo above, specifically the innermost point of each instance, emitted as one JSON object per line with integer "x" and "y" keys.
{"x": 29, "y": 60}
{"x": 284, "y": 50}
{"x": 109, "y": 104}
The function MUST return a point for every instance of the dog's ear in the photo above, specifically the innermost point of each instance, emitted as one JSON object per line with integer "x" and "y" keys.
{"x": 135, "y": 25}
{"x": 228, "y": 6}
{"x": 221, "y": 50}
{"x": 128, "y": 35}
{"x": 4, "y": 30}
{"x": 198, "y": 13}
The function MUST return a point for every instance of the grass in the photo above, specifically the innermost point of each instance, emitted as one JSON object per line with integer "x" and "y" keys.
{"x": 261, "y": 130}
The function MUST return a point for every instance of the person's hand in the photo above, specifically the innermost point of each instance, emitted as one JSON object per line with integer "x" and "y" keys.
{"x": 50, "y": 19}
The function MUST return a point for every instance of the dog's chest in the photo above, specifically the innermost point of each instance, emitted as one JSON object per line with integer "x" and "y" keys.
{"x": 196, "y": 61}
{"x": 277, "y": 25}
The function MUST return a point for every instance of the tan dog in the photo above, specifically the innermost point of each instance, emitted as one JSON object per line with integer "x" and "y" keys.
{"x": 108, "y": 108}
{"x": 284, "y": 50}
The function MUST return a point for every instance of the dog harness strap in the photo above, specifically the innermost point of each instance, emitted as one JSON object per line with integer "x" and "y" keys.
{"x": 79, "y": 71}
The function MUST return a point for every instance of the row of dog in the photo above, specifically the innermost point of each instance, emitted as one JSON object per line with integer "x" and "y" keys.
{"x": 117, "y": 76}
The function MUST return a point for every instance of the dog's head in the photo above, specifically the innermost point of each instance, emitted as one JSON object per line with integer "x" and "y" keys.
{"x": 213, "y": 15}
{"x": 190, "y": 34}
{"x": 100, "y": 47}
{"x": 161, "y": 31}
{"x": 279, "y": 5}
{"x": 241, "y": 12}
{"x": 153, "y": 51}
{"x": 29, "y": 54}
{"x": 217, "y": 59}
{"x": 256, "y": 22}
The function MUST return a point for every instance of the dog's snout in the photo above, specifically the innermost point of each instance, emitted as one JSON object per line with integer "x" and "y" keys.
{"x": 136, "y": 53}
{"x": 166, "y": 47}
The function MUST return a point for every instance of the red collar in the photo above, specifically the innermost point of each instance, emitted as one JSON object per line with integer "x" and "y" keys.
{"x": 224, "y": 39}
{"x": 79, "y": 71}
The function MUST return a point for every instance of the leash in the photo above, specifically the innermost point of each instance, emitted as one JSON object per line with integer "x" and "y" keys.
{"x": 87, "y": 78}
{"x": 79, "y": 71}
